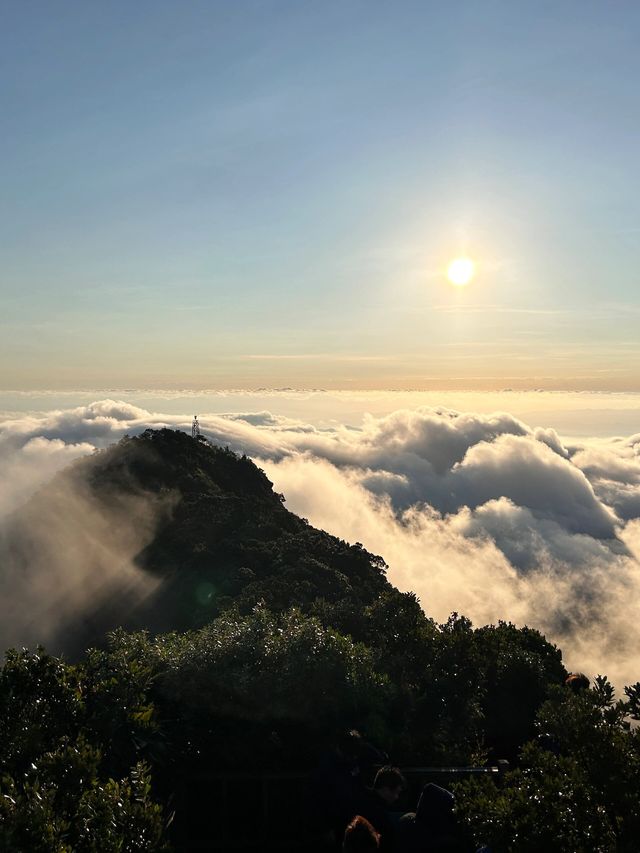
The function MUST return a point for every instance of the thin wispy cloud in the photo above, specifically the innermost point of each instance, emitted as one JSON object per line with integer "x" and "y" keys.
{"x": 497, "y": 309}
{"x": 326, "y": 356}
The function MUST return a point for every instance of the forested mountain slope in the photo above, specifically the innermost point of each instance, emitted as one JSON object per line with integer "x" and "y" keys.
{"x": 243, "y": 639}
{"x": 162, "y": 531}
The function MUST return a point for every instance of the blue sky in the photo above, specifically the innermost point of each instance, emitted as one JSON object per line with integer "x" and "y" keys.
{"x": 249, "y": 194}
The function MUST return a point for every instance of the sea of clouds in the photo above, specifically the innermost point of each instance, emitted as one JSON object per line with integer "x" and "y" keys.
{"x": 476, "y": 512}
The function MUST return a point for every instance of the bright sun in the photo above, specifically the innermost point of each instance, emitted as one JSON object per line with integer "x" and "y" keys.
{"x": 461, "y": 271}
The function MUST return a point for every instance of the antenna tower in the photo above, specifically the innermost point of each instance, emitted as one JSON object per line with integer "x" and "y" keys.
{"x": 195, "y": 427}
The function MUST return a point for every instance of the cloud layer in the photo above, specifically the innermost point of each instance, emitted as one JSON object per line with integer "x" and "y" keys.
{"x": 475, "y": 513}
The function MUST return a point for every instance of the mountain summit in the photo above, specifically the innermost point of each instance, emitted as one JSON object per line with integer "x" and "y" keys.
{"x": 163, "y": 531}
{"x": 228, "y": 538}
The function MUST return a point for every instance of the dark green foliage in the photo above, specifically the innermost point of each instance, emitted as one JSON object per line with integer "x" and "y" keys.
{"x": 56, "y": 791}
{"x": 519, "y": 665}
{"x": 576, "y": 787}
{"x": 547, "y": 805}
{"x": 280, "y": 668}
{"x": 228, "y": 689}
{"x": 119, "y": 712}
{"x": 246, "y": 688}
{"x": 227, "y": 541}
{"x": 40, "y": 702}
{"x": 474, "y": 690}
{"x": 266, "y": 639}
{"x": 61, "y": 805}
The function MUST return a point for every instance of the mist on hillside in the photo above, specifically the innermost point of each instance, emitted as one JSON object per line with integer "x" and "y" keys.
{"x": 476, "y": 513}
{"x": 66, "y": 554}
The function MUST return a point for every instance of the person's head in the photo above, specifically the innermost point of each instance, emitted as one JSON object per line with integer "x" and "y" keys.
{"x": 389, "y": 784}
{"x": 360, "y": 836}
{"x": 577, "y": 681}
{"x": 435, "y": 809}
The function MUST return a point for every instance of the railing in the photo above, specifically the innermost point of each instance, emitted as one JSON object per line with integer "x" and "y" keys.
{"x": 238, "y": 811}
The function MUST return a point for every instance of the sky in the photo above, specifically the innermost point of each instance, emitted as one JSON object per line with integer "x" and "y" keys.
{"x": 267, "y": 194}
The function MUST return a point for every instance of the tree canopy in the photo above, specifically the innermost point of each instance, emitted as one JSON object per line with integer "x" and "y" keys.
{"x": 268, "y": 638}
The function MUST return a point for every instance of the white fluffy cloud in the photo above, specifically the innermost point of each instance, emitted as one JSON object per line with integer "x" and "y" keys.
{"x": 476, "y": 513}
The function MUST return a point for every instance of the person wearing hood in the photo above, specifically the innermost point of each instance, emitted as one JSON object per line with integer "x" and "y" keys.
{"x": 432, "y": 828}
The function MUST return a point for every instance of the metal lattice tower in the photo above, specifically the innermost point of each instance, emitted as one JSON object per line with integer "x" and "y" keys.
{"x": 195, "y": 427}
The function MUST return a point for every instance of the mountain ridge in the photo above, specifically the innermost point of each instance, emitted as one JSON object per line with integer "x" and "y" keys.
{"x": 212, "y": 534}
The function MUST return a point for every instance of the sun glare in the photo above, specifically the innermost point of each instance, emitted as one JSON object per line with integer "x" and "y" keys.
{"x": 461, "y": 271}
